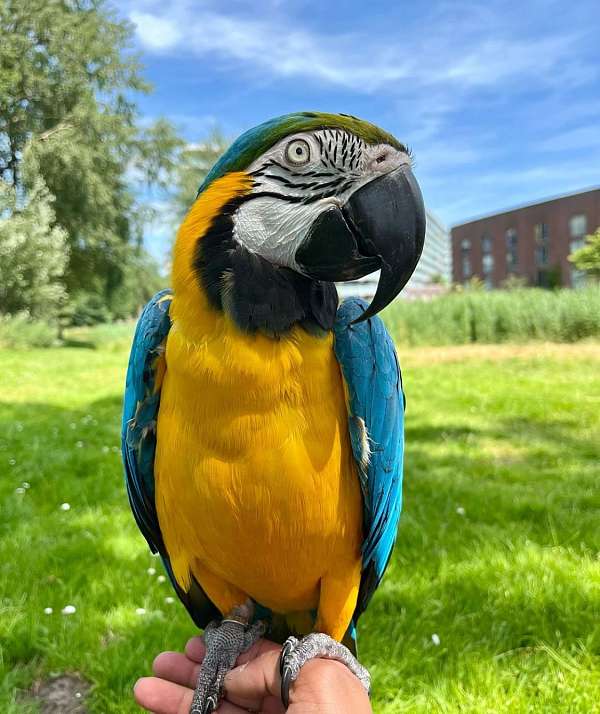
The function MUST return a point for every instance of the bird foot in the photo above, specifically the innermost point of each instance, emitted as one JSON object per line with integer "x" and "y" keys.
{"x": 296, "y": 653}
{"x": 225, "y": 641}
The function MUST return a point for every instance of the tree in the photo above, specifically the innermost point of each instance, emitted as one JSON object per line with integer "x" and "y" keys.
{"x": 66, "y": 82}
{"x": 587, "y": 258}
{"x": 33, "y": 250}
{"x": 194, "y": 163}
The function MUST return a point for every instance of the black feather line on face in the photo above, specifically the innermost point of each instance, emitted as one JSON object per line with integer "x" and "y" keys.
{"x": 259, "y": 296}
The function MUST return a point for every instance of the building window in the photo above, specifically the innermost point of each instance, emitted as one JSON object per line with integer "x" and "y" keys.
{"x": 487, "y": 260}
{"x": 578, "y": 225}
{"x": 465, "y": 255}
{"x": 542, "y": 243}
{"x": 577, "y": 230}
{"x": 512, "y": 250}
{"x": 466, "y": 266}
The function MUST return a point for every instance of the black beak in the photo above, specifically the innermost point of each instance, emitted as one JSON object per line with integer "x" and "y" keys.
{"x": 381, "y": 226}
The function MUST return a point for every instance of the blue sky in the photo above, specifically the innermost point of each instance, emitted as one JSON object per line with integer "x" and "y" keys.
{"x": 500, "y": 101}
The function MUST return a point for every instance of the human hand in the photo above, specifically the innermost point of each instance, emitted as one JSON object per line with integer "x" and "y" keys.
{"x": 323, "y": 686}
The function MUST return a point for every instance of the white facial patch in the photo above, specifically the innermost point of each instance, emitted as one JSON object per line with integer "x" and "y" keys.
{"x": 275, "y": 229}
{"x": 299, "y": 178}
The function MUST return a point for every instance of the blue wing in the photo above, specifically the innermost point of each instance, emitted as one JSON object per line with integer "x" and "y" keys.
{"x": 138, "y": 438}
{"x": 371, "y": 372}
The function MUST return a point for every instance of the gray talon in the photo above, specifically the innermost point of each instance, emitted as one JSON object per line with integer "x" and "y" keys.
{"x": 294, "y": 655}
{"x": 224, "y": 642}
{"x": 286, "y": 680}
{"x": 288, "y": 647}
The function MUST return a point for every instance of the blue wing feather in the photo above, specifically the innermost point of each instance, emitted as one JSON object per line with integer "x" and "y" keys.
{"x": 371, "y": 372}
{"x": 140, "y": 410}
{"x": 138, "y": 440}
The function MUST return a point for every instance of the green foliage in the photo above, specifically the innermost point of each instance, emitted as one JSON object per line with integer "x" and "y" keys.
{"x": 496, "y": 552}
{"x": 33, "y": 251}
{"x": 587, "y": 258}
{"x": 514, "y": 282}
{"x": 517, "y": 315}
{"x": 113, "y": 336}
{"x": 20, "y": 331}
{"x": 65, "y": 92}
{"x": 141, "y": 280}
{"x": 194, "y": 163}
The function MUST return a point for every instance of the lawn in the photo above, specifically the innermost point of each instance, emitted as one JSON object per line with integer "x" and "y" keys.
{"x": 492, "y": 599}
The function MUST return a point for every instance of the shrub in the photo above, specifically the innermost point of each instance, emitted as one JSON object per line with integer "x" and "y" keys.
{"x": 20, "y": 331}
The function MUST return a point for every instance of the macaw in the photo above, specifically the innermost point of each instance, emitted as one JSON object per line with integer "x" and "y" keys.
{"x": 263, "y": 424}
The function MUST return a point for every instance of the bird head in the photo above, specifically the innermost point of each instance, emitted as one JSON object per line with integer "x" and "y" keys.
{"x": 328, "y": 197}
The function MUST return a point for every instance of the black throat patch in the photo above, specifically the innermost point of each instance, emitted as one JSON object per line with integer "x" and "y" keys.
{"x": 257, "y": 295}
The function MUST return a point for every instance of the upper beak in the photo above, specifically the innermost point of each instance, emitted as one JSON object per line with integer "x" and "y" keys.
{"x": 382, "y": 225}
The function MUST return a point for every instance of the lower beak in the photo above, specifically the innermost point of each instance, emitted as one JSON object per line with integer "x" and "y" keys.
{"x": 381, "y": 226}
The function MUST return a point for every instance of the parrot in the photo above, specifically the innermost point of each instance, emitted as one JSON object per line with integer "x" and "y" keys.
{"x": 263, "y": 420}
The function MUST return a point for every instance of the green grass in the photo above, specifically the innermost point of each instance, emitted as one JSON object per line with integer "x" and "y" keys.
{"x": 498, "y": 552}
{"x": 497, "y": 316}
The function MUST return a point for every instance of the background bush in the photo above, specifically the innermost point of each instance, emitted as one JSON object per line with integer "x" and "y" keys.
{"x": 20, "y": 331}
{"x": 500, "y": 316}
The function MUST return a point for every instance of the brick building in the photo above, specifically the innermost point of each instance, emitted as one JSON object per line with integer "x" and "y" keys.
{"x": 531, "y": 241}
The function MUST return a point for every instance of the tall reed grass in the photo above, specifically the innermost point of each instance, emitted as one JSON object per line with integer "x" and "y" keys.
{"x": 498, "y": 316}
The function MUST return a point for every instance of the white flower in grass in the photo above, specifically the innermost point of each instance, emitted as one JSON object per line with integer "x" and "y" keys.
{"x": 460, "y": 510}
{"x": 435, "y": 638}
{"x": 12, "y": 462}
{"x": 151, "y": 571}
{"x": 65, "y": 506}
{"x": 79, "y": 444}
{"x": 140, "y": 611}
{"x": 26, "y": 484}
{"x": 19, "y": 426}
{"x": 161, "y": 579}
{"x": 169, "y": 600}
{"x": 20, "y": 490}
{"x": 69, "y": 610}
{"x": 105, "y": 449}
{"x": 48, "y": 611}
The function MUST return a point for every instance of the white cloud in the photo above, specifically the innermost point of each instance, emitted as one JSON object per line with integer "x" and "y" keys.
{"x": 445, "y": 55}
{"x": 155, "y": 32}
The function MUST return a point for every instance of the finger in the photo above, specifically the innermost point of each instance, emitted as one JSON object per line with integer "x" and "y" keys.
{"x": 195, "y": 649}
{"x": 251, "y": 683}
{"x": 257, "y": 649}
{"x": 177, "y": 668}
{"x": 162, "y": 697}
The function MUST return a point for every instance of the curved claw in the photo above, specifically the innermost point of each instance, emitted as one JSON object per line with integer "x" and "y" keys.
{"x": 288, "y": 646}
{"x": 286, "y": 680}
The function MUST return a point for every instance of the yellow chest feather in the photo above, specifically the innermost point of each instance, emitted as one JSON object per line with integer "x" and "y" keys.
{"x": 254, "y": 468}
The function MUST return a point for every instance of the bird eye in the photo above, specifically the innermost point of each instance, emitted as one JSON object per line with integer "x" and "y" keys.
{"x": 297, "y": 152}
